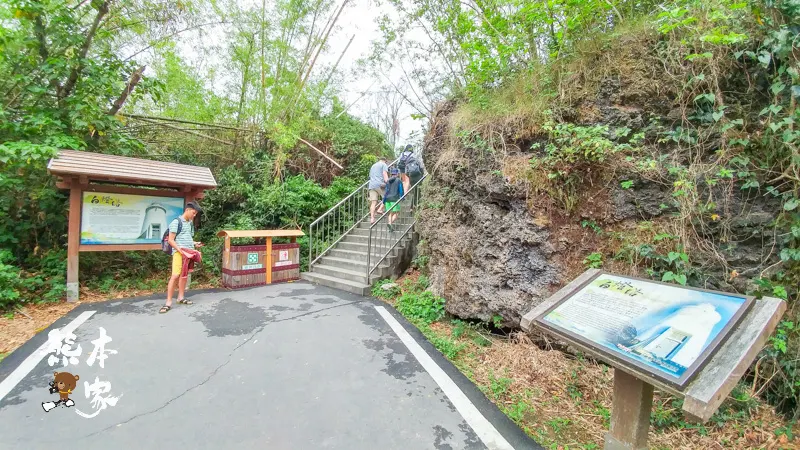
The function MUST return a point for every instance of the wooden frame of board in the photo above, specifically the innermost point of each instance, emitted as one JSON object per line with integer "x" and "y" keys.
{"x": 631, "y": 365}
{"x": 80, "y": 172}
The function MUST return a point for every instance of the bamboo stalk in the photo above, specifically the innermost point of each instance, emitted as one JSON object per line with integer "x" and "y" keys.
{"x": 333, "y": 70}
{"x": 316, "y": 55}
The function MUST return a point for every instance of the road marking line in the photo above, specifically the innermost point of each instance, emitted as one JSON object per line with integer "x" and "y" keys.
{"x": 482, "y": 427}
{"x": 31, "y": 361}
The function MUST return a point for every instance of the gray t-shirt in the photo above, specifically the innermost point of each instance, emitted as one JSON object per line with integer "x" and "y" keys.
{"x": 376, "y": 175}
{"x": 186, "y": 237}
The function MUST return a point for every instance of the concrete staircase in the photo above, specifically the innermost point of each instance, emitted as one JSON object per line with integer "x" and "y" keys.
{"x": 344, "y": 266}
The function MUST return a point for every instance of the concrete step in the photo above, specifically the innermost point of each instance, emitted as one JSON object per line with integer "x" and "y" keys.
{"x": 383, "y": 270}
{"x": 377, "y": 239}
{"x": 357, "y": 255}
{"x": 378, "y": 230}
{"x": 348, "y": 264}
{"x": 337, "y": 283}
{"x": 382, "y": 226}
{"x": 338, "y": 272}
{"x": 361, "y": 247}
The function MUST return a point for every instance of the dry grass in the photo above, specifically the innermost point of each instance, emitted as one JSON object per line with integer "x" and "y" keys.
{"x": 563, "y": 400}
{"x": 559, "y": 386}
{"x": 627, "y": 57}
{"x": 514, "y": 110}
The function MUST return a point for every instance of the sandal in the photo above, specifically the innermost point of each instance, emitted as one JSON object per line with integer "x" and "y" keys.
{"x": 183, "y": 301}
{"x": 164, "y": 309}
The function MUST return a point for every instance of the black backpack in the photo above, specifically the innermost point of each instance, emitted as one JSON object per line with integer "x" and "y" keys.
{"x": 165, "y": 247}
{"x": 410, "y": 164}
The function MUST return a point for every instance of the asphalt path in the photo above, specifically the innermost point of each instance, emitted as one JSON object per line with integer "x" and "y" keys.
{"x": 288, "y": 366}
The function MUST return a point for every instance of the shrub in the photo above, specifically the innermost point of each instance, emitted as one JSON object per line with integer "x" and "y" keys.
{"x": 423, "y": 308}
{"x": 9, "y": 280}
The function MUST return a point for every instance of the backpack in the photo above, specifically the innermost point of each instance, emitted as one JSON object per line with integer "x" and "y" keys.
{"x": 394, "y": 190}
{"x": 410, "y": 163}
{"x": 165, "y": 247}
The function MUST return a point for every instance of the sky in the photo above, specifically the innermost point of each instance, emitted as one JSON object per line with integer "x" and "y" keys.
{"x": 359, "y": 19}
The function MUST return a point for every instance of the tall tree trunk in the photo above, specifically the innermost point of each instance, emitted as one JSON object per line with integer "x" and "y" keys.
{"x": 263, "y": 64}
{"x": 243, "y": 92}
{"x": 87, "y": 43}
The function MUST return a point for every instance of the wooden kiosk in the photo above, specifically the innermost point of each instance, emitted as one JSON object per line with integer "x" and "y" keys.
{"x": 117, "y": 203}
{"x": 642, "y": 349}
{"x": 257, "y": 265}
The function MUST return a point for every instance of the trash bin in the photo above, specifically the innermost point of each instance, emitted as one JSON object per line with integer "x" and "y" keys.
{"x": 257, "y": 265}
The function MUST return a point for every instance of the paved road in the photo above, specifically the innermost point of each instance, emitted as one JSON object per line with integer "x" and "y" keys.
{"x": 290, "y": 366}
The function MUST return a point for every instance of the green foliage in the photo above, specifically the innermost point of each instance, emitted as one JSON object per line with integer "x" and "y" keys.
{"x": 593, "y": 261}
{"x": 421, "y": 262}
{"x": 497, "y": 321}
{"x": 45, "y": 286}
{"x": 423, "y": 308}
{"x": 486, "y": 46}
{"x": 10, "y": 282}
{"x": 516, "y": 411}
{"x": 385, "y": 294}
{"x": 498, "y": 386}
{"x": 592, "y": 225}
{"x": 571, "y": 150}
{"x": 448, "y": 347}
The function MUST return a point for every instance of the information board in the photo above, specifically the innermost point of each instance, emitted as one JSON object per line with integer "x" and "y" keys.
{"x": 126, "y": 219}
{"x": 665, "y": 330}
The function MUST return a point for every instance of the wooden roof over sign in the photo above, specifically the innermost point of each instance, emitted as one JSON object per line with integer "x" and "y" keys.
{"x": 260, "y": 233}
{"x": 122, "y": 169}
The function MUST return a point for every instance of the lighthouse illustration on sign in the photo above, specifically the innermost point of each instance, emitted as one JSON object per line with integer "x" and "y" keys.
{"x": 155, "y": 222}
{"x": 679, "y": 339}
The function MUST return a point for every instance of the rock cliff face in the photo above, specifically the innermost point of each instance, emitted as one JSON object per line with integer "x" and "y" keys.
{"x": 497, "y": 249}
{"x": 488, "y": 256}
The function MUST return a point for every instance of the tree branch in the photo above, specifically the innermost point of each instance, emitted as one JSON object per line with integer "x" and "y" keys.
{"x": 136, "y": 76}
{"x": 320, "y": 152}
{"x": 205, "y": 124}
{"x": 182, "y": 130}
{"x": 40, "y": 36}
{"x": 153, "y": 43}
{"x": 76, "y": 71}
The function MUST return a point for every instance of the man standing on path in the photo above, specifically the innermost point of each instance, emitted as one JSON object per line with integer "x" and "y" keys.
{"x": 181, "y": 236}
{"x": 378, "y": 176}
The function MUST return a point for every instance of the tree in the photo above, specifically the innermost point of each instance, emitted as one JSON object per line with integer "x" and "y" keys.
{"x": 384, "y": 113}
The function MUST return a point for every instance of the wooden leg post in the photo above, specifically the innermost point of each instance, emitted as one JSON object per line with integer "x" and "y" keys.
{"x": 73, "y": 241}
{"x": 630, "y": 413}
{"x": 269, "y": 260}
{"x": 226, "y": 259}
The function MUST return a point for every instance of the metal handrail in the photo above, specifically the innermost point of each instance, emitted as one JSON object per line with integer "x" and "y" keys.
{"x": 370, "y": 267}
{"x": 352, "y": 208}
{"x": 339, "y": 204}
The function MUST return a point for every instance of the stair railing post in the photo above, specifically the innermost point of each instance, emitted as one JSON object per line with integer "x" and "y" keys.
{"x": 369, "y": 244}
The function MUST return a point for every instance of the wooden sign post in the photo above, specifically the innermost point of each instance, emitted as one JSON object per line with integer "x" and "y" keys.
{"x": 118, "y": 203}
{"x": 692, "y": 343}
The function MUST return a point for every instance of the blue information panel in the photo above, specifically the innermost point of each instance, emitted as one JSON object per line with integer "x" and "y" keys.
{"x": 666, "y": 330}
